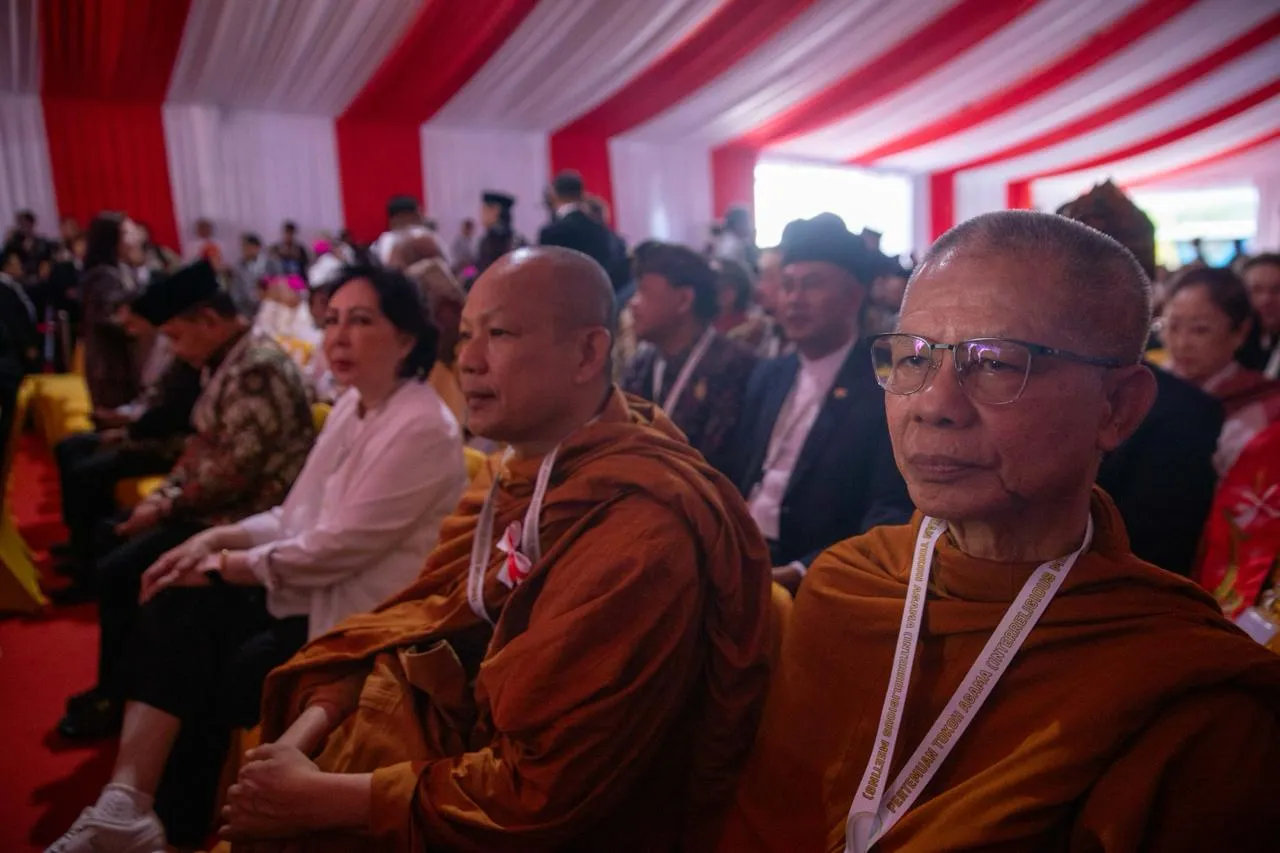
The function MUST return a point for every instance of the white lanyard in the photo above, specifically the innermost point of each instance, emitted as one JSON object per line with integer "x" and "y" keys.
{"x": 483, "y": 542}
{"x": 686, "y": 372}
{"x": 876, "y": 808}
{"x": 1272, "y": 370}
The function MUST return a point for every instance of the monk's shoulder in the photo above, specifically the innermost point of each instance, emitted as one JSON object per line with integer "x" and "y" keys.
{"x": 870, "y": 563}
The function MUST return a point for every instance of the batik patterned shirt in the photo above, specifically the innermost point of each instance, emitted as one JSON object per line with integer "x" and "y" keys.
{"x": 712, "y": 399}
{"x": 253, "y": 431}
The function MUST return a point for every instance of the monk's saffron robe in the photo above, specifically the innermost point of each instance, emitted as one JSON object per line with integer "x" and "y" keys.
{"x": 1134, "y": 717}
{"x": 612, "y": 705}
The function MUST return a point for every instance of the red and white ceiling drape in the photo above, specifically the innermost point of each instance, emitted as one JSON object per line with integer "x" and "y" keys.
{"x": 249, "y": 112}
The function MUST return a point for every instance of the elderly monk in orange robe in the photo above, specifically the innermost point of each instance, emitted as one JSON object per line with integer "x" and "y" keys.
{"x": 1003, "y": 673}
{"x": 577, "y": 670}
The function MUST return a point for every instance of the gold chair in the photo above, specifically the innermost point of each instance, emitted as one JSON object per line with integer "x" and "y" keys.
{"x": 19, "y": 580}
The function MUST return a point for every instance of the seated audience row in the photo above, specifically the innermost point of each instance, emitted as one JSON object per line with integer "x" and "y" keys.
{"x": 225, "y": 606}
{"x": 479, "y": 708}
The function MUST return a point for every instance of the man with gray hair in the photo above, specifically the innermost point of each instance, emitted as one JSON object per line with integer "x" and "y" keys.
{"x": 1002, "y": 672}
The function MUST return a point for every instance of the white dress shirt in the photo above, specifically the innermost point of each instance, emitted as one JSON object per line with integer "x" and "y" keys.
{"x": 366, "y": 510}
{"x": 790, "y": 431}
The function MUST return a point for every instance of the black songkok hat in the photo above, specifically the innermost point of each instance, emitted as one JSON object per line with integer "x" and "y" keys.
{"x": 826, "y": 238}
{"x": 168, "y": 296}
{"x": 498, "y": 199}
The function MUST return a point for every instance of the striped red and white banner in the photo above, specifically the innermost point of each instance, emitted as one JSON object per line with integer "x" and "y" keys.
{"x": 249, "y": 112}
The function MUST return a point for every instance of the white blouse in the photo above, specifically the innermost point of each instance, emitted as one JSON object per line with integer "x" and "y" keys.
{"x": 366, "y": 510}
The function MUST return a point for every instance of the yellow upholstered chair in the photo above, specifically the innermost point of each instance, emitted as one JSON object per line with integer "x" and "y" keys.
{"x": 474, "y": 461}
{"x": 19, "y": 580}
{"x": 133, "y": 491}
{"x": 299, "y": 350}
{"x": 320, "y": 414}
{"x": 62, "y": 406}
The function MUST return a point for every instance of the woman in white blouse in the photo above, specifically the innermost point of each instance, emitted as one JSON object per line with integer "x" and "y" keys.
{"x": 232, "y": 603}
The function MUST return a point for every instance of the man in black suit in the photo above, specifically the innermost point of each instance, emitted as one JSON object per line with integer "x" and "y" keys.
{"x": 811, "y": 452}
{"x": 573, "y": 226}
{"x": 1162, "y": 479}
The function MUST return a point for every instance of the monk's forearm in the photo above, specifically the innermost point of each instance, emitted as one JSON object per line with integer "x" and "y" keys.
{"x": 309, "y": 730}
{"x": 347, "y": 799}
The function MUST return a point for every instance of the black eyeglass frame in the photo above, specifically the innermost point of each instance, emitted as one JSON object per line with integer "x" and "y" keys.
{"x": 1031, "y": 347}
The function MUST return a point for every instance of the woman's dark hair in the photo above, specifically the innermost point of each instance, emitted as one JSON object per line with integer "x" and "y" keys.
{"x": 102, "y": 242}
{"x": 1224, "y": 287}
{"x": 731, "y": 273}
{"x": 401, "y": 303}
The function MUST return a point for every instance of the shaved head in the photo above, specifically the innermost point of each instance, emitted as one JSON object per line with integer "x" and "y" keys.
{"x": 1098, "y": 291}
{"x": 536, "y": 344}
{"x": 573, "y": 284}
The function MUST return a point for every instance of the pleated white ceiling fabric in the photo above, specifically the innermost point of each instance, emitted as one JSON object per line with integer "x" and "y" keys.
{"x": 290, "y": 56}
{"x": 661, "y": 190}
{"x": 1215, "y": 90}
{"x": 566, "y": 57}
{"x": 1196, "y": 33}
{"x": 19, "y": 47}
{"x": 461, "y": 164}
{"x": 26, "y": 179}
{"x": 823, "y": 44}
{"x": 249, "y": 171}
{"x": 1013, "y": 52}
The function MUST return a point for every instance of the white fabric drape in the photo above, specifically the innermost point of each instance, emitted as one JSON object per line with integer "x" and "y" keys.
{"x": 1268, "y": 186}
{"x": 820, "y": 46}
{"x": 979, "y": 192}
{"x": 1212, "y": 91}
{"x": 1011, "y": 53}
{"x": 26, "y": 180}
{"x": 661, "y": 191}
{"x": 1195, "y": 33}
{"x": 250, "y": 171}
{"x": 19, "y": 47}
{"x": 569, "y": 55}
{"x": 295, "y": 56}
{"x": 459, "y": 165}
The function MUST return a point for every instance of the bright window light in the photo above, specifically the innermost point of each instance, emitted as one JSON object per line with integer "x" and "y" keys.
{"x": 862, "y": 198}
{"x": 1219, "y": 216}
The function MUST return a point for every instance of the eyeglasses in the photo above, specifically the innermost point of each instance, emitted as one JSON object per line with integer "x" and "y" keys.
{"x": 992, "y": 371}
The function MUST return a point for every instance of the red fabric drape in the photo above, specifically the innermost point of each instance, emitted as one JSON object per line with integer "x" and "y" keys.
{"x": 733, "y": 177}
{"x": 376, "y": 160}
{"x": 105, "y": 72}
{"x": 942, "y": 203}
{"x": 447, "y": 44}
{"x": 1168, "y": 137}
{"x": 1249, "y": 41}
{"x": 587, "y": 154}
{"x": 1204, "y": 162}
{"x": 939, "y": 41}
{"x": 1103, "y": 45}
{"x": 1018, "y": 195}
{"x": 725, "y": 38}
{"x": 110, "y": 155}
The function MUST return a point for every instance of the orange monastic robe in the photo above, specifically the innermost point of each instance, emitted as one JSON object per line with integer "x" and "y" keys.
{"x": 1135, "y": 717}
{"x": 615, "y": 701}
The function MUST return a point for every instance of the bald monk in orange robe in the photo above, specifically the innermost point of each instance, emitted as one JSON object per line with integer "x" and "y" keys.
{"x": 1132, "y": 716}
{"x": 613, "y": 699}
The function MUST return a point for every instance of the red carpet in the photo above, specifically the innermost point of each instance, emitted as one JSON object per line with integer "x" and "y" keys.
{"x": 45, "y": 781}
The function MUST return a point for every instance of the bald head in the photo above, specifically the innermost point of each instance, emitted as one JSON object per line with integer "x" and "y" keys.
{"x": 536, "y": 345}
{"x": 1099, "y": 292}
{"x": 571, "y": 283}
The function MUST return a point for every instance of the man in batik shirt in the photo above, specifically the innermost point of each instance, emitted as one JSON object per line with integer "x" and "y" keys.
{"x": 252, "y": 430}
{"x": 698, "y": 375}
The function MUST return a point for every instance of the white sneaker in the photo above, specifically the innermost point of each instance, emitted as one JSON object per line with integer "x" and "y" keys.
{"x": 94, "y": 832}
